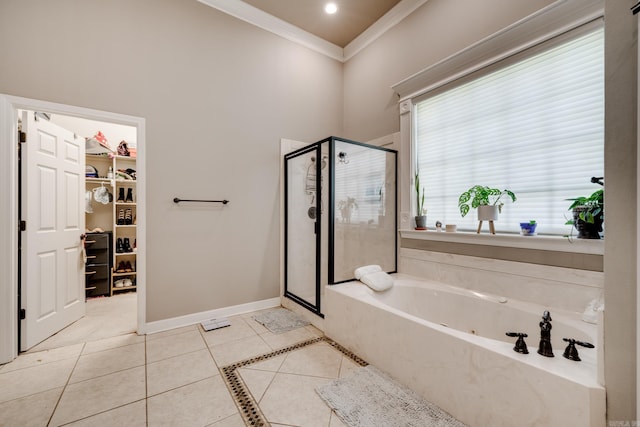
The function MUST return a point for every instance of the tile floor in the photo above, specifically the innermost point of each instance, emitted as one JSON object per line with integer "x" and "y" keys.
{"x": 173, "y": 378}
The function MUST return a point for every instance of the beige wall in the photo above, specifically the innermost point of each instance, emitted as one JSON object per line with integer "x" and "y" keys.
{"x": 217, "y": 95}
{"x": 432, "y": 33}
{"x": 620, "y": 196}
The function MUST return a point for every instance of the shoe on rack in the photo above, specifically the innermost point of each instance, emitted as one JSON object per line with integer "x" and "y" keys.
{"x": 128, "y": 283}
{"x": 126, "y": 245}
{"x": 120, "y": 195}
{"x": 129, "y": 198}
{"x": 121, "y": 267}
{"x": 121, "y": 219}
{"x": 127, "y": 267}
{"x": 119, "y": 246}
{"x": 128, "y": 217}
{"x": 119, "y": 283}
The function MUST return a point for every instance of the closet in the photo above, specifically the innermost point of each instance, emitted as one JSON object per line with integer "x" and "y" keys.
{"x": 110, "y": 216}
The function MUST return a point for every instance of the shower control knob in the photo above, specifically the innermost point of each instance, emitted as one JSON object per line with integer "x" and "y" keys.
{"x": 571, "y": 352}
{"x": 521, "y": 346}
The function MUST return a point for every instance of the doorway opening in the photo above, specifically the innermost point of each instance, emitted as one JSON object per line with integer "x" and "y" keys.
{"x": 10, "y": 304}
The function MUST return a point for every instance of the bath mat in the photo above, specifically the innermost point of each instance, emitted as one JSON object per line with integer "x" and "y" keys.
{"x": 370, "y": 398}
{"x": 280, "y": 320}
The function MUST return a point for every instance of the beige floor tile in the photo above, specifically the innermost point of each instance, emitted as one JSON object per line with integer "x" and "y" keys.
{"x": 318, "y": 360}
{"x": 336, "y": 421}
{"x": 174, "y": 345}
{"x": 314, "y": 331}
{"x": 28, "y": 360}
{"x": 347, "y": 367}
{"x": 97, "y": 395}
{"x": 104, "y": 318}
{"x": 113, "y": 342}
{"x": 277, "y": 341}
{"x": 272, "y": 365}
{"x": 30, "y": 411}
{"x": 108, "y": 361}
{"x": 180, "y": 370}
{"x": 232, "y": 421}
{"x": 176, "y": 331}
{"x": 256, "y": 381}
{"x": 131, "y": 415}
{"x": 235, "y": 351}
{"x": 292, "y": 400}
{"x": 24, "y": 382}
{"x": 238, "y": 330}
{"x": 198, "y": 404}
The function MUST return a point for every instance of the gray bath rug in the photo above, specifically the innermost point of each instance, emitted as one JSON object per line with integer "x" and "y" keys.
{"x": 280, "y": 320}
{"x": 369, "y": 398}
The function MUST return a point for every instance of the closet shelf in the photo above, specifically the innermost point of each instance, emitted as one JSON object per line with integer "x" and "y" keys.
{"x": 90, "y": 180}
{"x": 126, "y": 226}
{"x": 126, "y": 203}
{"x": 125, "y": 253}
{"x": 125, "y": 181}
{"x": 131, "y": 273}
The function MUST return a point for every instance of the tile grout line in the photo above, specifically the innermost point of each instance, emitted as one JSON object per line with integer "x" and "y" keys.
{"x": 249, "y": 408}
{"x": 66, "y": 384}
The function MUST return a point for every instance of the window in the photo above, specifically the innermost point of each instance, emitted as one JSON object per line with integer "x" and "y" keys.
{"x": 533, "y": 123}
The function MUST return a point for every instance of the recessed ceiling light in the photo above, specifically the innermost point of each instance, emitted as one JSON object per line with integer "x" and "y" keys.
{"x": 331, "y": 8}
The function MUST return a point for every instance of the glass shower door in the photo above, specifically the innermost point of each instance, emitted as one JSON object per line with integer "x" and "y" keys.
{"x": 303, "y": 186}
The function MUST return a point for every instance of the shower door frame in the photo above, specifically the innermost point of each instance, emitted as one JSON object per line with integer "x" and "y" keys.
{"x": 332, "y": 218}
{"x": 315, "y": 308}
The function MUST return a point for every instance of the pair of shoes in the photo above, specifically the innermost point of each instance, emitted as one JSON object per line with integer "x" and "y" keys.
{"x": 122, "y": 198}
{"x": 123, "y": 245}
{"x": 124, "y": 267}
{"x": 125, "y": 217}
{"x": 123, "y": 283}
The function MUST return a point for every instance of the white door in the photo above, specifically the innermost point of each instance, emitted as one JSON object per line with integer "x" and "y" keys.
{"x": 52, "y": 205}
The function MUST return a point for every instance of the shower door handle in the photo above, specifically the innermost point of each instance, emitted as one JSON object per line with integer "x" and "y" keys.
{"x": 315, "y": 227}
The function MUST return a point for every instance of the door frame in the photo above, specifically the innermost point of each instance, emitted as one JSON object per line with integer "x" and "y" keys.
{"x": 9, "y": 106}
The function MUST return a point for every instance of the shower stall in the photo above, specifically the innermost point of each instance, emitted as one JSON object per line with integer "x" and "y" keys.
{"x": 340, "y": 213}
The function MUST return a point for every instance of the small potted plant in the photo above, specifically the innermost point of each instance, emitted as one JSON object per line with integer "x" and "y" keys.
{"x": 528, "y": 228}
{"x": 421, "y": 212}
{"x": 588, "y": 214}
{"x": 346, "y": 208}
{"x": 487, "y": 200}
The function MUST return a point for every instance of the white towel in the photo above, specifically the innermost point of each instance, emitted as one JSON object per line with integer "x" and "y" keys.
{"x": 374, "y": 277}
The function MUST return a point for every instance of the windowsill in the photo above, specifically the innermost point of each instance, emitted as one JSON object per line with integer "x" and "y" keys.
{"x": 549, "y": 243}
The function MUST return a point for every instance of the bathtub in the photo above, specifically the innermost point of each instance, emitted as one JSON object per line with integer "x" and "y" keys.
{"x": 449, "y": 345}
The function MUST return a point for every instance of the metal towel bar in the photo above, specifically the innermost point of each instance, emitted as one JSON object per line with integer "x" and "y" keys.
{"x": 178, "y": 200}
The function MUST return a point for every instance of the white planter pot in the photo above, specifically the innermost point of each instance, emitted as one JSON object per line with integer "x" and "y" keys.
{"x": 487, "y": 213}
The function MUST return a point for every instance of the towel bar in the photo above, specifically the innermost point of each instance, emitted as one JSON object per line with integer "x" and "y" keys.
{"x": 178, "y": 200}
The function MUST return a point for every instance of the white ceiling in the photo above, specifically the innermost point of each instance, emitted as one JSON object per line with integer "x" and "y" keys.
{"x": 352, "y": 18}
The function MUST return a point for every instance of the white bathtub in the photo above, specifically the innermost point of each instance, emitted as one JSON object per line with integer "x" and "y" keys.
{"x": 449, "y": 345}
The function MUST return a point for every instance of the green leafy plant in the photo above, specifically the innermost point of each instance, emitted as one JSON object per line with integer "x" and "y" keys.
{"x": 589, "y": 208}
{"x": 482, "y": 196}
{"x": 420, "y": 210}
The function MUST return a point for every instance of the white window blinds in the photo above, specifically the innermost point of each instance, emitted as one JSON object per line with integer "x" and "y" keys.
{"x": 533, "y": 124}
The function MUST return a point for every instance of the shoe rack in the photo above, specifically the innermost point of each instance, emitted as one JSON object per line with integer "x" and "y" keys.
{"x": 124, "y": 226}
{"x": 117, "y": 217}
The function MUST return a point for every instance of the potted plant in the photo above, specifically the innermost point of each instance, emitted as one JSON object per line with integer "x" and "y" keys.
{"x": 588, "y": 214}
{"x": 487, "y": 200}
{"x": 421, "y": 212}
{"x": 346, "y": 208}
{"x": 528, "y": 228}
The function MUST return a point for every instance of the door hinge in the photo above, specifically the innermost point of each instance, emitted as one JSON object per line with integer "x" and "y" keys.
{"x": 22, "y": 136}
{"x": 23, "y": 314}
{"x": 23, "y": 225}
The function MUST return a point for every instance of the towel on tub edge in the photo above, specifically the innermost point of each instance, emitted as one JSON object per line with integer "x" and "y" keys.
{"x": 374, "y": 277}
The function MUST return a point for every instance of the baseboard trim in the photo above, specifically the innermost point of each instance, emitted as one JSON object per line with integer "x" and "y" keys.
{"x": 191, "y": 319}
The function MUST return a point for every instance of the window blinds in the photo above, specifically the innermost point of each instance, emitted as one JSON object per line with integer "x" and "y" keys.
{"x": 534, "y": 126}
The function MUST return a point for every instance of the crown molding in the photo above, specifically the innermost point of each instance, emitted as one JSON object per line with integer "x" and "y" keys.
{"x": 381, "y": 26}
{"x": 261, "y": 19}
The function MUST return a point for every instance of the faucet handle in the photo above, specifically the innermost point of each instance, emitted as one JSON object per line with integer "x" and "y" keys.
{"x": 521, "y": 346}
{"x": 571, "y": 352}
